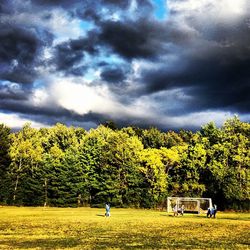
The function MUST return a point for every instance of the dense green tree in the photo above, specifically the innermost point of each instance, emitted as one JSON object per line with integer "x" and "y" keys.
{"x": 123, "y": 154}
{"x": 62, "y": 136}
{"x": 228, "y": 165}
{"x": 62, "y": 175}
{"x": 234, "y": 126}
{"x": 26, "y": 156}
{"x": 186, "y": 176}
{"x": 153, "y": 138}
{"x": 211, "y": 133}
{"x": 63, "y": 178}
{"x": 110, "y": 124}
{"x": 67, "y": 166}
{"x": 91, "y": 158}
{"x": 4, "y": 161}
{"x": 110, "y": 162}
{"x": 154, "y": 176}
{"x": 171, "y": 139}
{"x": 186, "y": 135}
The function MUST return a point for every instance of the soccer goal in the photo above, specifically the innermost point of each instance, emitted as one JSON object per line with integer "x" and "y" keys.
{"x": 191, "y": 205}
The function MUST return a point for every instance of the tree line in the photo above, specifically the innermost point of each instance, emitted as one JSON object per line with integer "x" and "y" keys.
{"x": 128, "y": 167}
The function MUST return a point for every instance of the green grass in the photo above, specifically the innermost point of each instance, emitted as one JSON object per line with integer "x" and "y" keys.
{"x": 87, "y": 228}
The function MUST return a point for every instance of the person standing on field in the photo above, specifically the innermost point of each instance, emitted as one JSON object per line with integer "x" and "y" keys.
{"x": 107, "y": 207}
{"x": 182, "y": 209}
{"x": 175, "y": 209}
{"x": 215, "y": 210}
{"x": 209, "y": 212}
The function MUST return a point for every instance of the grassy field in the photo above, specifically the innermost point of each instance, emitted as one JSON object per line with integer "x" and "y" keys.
{"x": 87, "y": 228}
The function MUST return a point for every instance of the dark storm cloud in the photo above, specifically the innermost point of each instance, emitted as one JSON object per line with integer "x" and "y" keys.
{"x": 18, "y": 47}
{"x": 69, "y": 55}
{"x": 118, "y": 3}
{"x": 24, "y": 107}
{"x": 66, "y": 3}
{"x": 217, "y": 77}
{"x": 134, "y": 39}
{"x": 69, "y": 119}
{"x": 19, "y": 53}
{"x": 86, "y": 9}
{"x": 234, "y": 98}
{"x": 4, "y": 7}
{"x": 89, "y": 14}
{"x": 207, "y": 60}
{"x": 143, "y": 38}
{"x": 56, "y": 3}
{"x": 211, "y": 65}
{"x": 113, "y": 75}
{"x": 93, "y": 10}
{"x": 8, "y": 92}
{"x": 66, "y": 57}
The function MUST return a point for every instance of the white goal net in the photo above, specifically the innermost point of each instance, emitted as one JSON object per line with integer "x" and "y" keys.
{"x": 191, "y": 205}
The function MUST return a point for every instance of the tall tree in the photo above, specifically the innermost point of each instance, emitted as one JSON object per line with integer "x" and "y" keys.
{"x": 153, "y": 138}
{"x": 123, "y": 153}
{"x": 187, "y": 175}
{"x": 4, "y": 161}
{"x": 26, "y": 155}
{"x": 154, "y": 177}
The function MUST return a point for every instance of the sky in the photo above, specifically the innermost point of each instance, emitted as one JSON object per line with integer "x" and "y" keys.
{"x": 170, "y": 64}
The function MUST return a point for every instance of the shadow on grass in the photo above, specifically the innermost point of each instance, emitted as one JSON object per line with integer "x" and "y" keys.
{"x": 166, "y": 215}
{"x": 101, "y": 215}
{"x": 178, "y": 216}
{"x": 105, "y": 239}
{"x": 143, "y": 241}
{"x": 232, "y": 218}
{"x": 42, "y": 243}
{"x": 218, "y": 217}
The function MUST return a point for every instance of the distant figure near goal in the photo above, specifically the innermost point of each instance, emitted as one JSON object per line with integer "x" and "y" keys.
{"x": 178, "y": 211}
{"x": 190, "y": 205}
{"x": 211, "y": 212}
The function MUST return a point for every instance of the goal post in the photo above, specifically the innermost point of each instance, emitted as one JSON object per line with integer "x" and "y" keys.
{"x": 191, "y": 205}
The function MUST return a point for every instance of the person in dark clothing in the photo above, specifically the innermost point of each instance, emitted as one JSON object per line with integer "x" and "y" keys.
{"x": 212, "y": 211}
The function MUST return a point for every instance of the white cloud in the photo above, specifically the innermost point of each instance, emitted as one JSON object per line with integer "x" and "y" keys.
{"x": 79, "y": 96}
{"x": 76, "y": 95}
{"x": 40, "y": 97}
{"x": 15, "y": 121}
{"x": 60, "y": 23}
{"x": 133, "y": 6}
{"x": 64, "y": 27}
{"x": 210, "y": 10}
{"x": 167, "y": 101}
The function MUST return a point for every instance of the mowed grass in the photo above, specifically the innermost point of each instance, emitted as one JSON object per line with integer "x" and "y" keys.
{"x": 87, "y": 228}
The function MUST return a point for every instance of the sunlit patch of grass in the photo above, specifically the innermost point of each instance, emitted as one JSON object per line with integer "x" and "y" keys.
{"x": 86, "y": 228}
